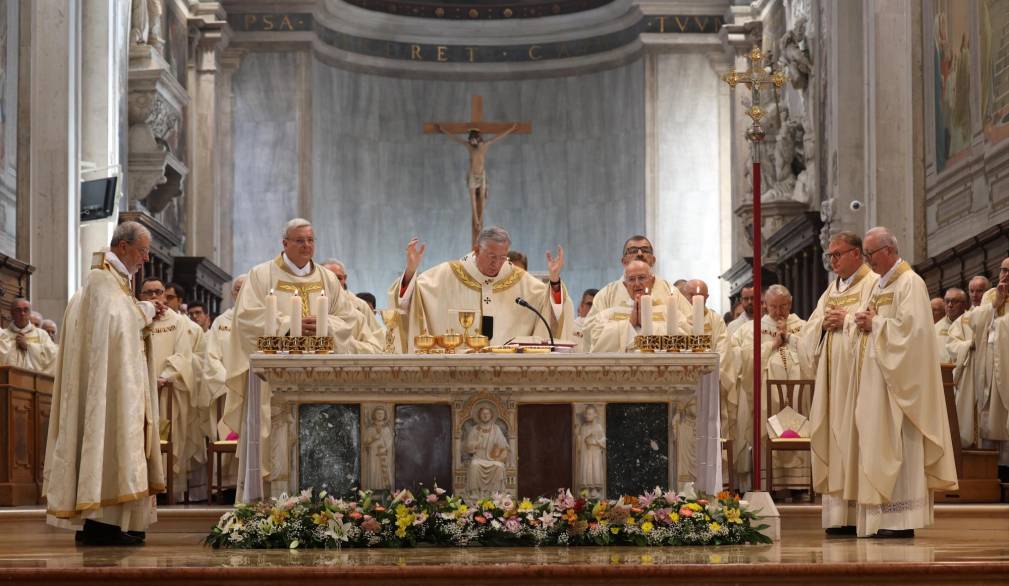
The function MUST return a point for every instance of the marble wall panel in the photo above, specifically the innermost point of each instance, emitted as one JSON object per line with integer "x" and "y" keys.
{"x": 545, "y": 450}
{"x": 688, "y": 243}
{"x": 637, "y": 448}
{"x": 423, "y": 446}
{"x": 329, "y": 440}
{"x": 577, "y": 180}
{"x": 266, "y": 155}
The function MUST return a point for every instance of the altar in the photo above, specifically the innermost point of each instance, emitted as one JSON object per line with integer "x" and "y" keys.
{"x": 475, "y": 424}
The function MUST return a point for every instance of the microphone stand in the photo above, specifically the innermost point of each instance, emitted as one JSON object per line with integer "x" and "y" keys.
{"x": 526, "y": 305}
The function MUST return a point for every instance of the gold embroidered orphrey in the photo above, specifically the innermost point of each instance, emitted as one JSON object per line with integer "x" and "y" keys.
{"x": 302, "y": 289}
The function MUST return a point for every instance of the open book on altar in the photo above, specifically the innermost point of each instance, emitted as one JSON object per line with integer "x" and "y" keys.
{"x": 536, "y": 341}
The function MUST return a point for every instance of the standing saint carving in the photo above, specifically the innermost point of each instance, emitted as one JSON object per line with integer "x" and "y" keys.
{"x": 487, "y": 447}
{"x": 476, "y": 177}
{"x": 378, "y": 446}
{"x": 145, "y": 23}
{"x": 591, "y": 452}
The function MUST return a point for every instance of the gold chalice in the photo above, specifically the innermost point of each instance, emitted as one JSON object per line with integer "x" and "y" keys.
{"x": 466, "y": 319}
{"x": 423, "y": 342}
{"x": 450, "y": 341}
{"x": 477, "y": 343}
{"x": 390, "y": 317}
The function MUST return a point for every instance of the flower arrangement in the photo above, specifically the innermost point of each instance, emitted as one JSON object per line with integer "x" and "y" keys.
{"x": 311, "y": 520}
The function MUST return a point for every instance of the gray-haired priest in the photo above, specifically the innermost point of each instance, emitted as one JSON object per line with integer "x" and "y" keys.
{"x": 484, "y": 281}
{"x": 291, "y": 272}
{"x": 103, "y": 462}
{"x": 902, "y": 450}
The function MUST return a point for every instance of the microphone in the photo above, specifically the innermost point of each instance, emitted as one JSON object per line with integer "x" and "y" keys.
{"x": 526, "y": 305}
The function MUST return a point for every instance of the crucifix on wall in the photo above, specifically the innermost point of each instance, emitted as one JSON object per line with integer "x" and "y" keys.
{"x": 475, "y": 130}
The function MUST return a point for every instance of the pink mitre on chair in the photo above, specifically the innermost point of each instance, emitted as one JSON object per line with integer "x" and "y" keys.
{"x": 234, "y": 436}
{"x": 789, "y": 434}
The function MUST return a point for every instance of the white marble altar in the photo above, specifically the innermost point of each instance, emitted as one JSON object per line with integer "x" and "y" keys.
{"x": 482, "y": 390}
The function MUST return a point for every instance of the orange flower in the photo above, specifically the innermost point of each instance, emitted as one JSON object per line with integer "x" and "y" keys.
{"x": 724, "y": 495}
{"x": 355, "y": 515}
{"x": 480, "y": 519}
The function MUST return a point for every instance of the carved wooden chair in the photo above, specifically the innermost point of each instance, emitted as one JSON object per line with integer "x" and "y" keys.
{"x": 215, "y": 455}
{"x": 798, "y": 394}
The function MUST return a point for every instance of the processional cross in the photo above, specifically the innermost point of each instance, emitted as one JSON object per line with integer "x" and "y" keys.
{"x": 475, "y": 129}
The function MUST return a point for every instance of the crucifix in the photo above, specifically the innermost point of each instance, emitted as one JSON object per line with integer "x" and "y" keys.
{"x": 475, "y": 129}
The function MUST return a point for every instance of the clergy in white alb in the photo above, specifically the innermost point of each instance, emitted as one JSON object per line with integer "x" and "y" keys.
{"x": 613, "y": 305}
{"x": 903, "y": 446}
{"x": 825, "y": 343}
{"x": 955, "y": 303}
{"x": 579, "y": 332}
{"x": 23, "y": 345}
{"x": 172, "y": 340}
{"x": 103, "y": 462}
{"x": 486, "y": 282}
{"x": 980, "y": 339}
{"x": 779, "y": 342}
{"x": 214, "y": 372}
{"x": 292, "y": 273}
{"x": 371, "y": 324}
{"x": 746, "y": 301}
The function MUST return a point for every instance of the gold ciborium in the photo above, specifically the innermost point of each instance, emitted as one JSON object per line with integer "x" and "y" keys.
{"x": 466, "y": 319}
{"x": 477, "y": 343}
{"x": 390, "y": 317}
{"x": 450, "y": 341}
{"x": 423, "y": 342}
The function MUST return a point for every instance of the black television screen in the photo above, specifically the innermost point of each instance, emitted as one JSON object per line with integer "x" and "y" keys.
{"x": 98, "y": 198}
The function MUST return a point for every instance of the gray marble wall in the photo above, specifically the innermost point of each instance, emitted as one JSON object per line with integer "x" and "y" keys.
{"x": 266, "y": 155}
{"x": 577, "y": 180}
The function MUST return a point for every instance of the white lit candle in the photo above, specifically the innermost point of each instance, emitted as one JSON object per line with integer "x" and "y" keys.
{"x": 698, "y": 313}
{"x": 295, "y": 314}
{"x": 672, "y": 316}
{"x": 271, "y": 314}
{"x": 645, "y": 302}
{"x": 321, "y": 315}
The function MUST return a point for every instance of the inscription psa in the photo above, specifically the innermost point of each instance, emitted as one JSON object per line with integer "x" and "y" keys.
{"x": 457, "y": 53}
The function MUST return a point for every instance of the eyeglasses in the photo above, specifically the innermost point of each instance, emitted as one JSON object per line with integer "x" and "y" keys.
{"x": 637, "y": 249}
{"x": 637, "y": 279}
{"x": 872, "y": 252}
{"x": 301, "y": 241}
{"x": 836, "y": 255}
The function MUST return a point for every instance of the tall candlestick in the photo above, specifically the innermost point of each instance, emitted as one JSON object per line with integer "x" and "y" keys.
{"x": 295, "y": 314}
{"x": 672, "y": 316}
{"x": 698, "y": 301}
{"x": 321, "y": 315}
{"x": 271, "y": 314}
{"x": 645, "y": 303}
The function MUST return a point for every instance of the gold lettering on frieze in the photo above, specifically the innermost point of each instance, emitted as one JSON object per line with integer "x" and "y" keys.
{"x": 250, "y": 19}
{"x": 415, "y": 53}
{"x": 268, "y": 24}
{"x": 562, "y": 50}
{"x": 662, "y": 24}
{"x": 681, "y": 24}
{"x": 701, "y": 25}
{"x": 472, "y": 53}
{"x": 442, "y": 53}
{"x": 286, "y": 22}
{"x": 534, "y": 54}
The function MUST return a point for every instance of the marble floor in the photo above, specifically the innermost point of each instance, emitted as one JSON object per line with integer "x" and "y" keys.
{"x": 968, "y": 544}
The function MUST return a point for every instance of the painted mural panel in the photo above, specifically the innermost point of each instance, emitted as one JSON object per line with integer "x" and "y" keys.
{"x": 951, "y": 51}
{"x": 8, "y": 125}
{"x": 994, "y": 55}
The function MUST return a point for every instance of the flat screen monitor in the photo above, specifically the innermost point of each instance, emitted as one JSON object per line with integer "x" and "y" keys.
{"x": 98, "y": 198}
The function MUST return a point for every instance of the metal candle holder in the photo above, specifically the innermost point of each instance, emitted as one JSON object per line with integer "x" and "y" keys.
{"x": 295, "y": 344}
{"x": 698, "y": 343}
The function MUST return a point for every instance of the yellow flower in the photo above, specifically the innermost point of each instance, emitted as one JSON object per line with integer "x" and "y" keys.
{"x": 647, "y": 527}
{"x": 714, "y": 527}
{"x": 694, "y": 507}
{"x": 733, "y": 516}
{"x": 674, "y": 517}
{"x": 486, "y": 504}
{"x": 279, "y": 516}
{"x": 615, "y": 529}
{"x": 526, "y": 505}
{"x": 462, "y": 509}
{"x": 320, "y": 518}
{"x": 630, "y": 521}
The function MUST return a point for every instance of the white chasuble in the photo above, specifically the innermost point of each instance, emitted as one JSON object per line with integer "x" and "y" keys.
{"x": 345, "y": 326}
{"x": 431, "y": 298}
{"x": 902, "y": 449}
{"x": 830, "y": 353}
{"x": 40, "y": 354}
{"x": 103, "y": 460}
{"x": 790, "y": 468}
{"x": 608, "y": 321}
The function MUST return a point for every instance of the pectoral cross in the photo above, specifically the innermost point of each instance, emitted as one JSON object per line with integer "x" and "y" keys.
{"x": 476, "y": 179}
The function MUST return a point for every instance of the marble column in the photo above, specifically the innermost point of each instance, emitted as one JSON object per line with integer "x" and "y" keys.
{"x": 104, "y": 71}
{"x": 53, "y": 218}
{"x": 894, "y": 146}
{"x": 210, "y": 34}
{"x": 230, "y": 59}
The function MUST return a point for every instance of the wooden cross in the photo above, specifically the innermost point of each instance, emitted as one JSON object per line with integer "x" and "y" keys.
{"x": 477, "y": 123}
